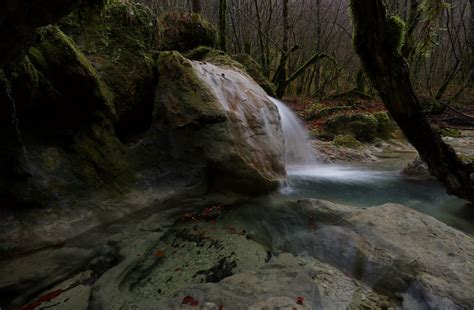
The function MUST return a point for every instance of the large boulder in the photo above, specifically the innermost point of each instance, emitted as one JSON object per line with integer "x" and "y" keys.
{"x": 120, "y": 41}
{"x": 65, "y": 113}
{"x": 363, "y": 127}
{"x": 20, "y": 18}
{"x": 219, "y": 117}
{"x": 392, "y": 248}
{"x": 184, "y": 31}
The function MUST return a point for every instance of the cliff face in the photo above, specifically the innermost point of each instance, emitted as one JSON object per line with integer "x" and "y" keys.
{"x": 83, "y": 114}
{"x": 82, "y": 88}
{"x": 20, "y": 18}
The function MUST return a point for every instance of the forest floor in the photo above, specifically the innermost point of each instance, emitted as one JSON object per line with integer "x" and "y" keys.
{"x": 456, "y": 127}
{"x": 369, "y": 105}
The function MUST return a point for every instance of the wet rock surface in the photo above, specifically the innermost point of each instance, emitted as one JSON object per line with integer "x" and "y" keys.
{"x": 308, "y": 254}
{"x": 221, "y": 120}
{"x": 392, "y": 248}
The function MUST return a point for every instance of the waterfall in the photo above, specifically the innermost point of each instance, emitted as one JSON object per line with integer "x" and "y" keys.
{"x": 297, "y": 150}
{"x": 254, "y": 121}
{"x": 249, "y": 107}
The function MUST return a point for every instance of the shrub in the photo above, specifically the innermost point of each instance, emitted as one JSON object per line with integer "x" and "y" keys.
{"x": 347, "y": 141}
{"x": 362, "y": 126}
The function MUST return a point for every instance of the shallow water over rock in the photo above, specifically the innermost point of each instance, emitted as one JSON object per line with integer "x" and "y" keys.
{"x": 361, "y": 186}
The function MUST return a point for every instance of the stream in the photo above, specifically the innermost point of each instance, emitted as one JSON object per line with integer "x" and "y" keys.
{"x": 184, "y": 250}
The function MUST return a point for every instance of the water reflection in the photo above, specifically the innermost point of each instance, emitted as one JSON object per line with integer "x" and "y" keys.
{"x": 366, "y": 187}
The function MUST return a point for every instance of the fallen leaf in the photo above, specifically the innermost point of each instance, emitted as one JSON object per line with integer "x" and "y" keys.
{"x": 50, "y": 296}
{"x": 160, "y": 253}
{"x": 178, "y": 269}
{"x": 300, "y": 300}
{"x": 44, "y": 298}
{"x": 187, "y": 300}
{"x": 194, "y": 303}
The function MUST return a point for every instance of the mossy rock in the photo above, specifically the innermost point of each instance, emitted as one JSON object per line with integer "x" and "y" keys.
{"x": 102, "y": 158}
{"x": 201, "y": 130}
{"x": 184, "y": 31}
{"x": 64, "y": 104}
{"x": 449, "y": 132}
{"x": 385, "y": 125}
{"x": 241, "y": 61}
{"x": 317, "y": 111}
{"x": 121, "y": 40}
{"x": 56, "y": 89}
{"x": 432, "y": 106}
{"x": 362, "y": 126}
{"x": 256, "y": 72}
{"x": 347, "y": 141}
{"x": 216, "y": 57}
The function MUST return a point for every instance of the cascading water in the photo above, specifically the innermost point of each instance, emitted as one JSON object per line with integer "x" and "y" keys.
{"x": 254, "y": 120}
{"x": 301, "y": 159}
{"x": 297, "y": 150}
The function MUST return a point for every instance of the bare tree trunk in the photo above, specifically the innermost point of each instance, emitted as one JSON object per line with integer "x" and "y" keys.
{"x": 223, "y": 25}
{"x": 281, "y": 78}
{"x": 409, "y": 47}
{"x": 318, "y": 42}
{"x": 263, "y": 60}
{"x": 377, "y": 39}
{"x": 471, "y": 42}
{"x": 196, "y": 6}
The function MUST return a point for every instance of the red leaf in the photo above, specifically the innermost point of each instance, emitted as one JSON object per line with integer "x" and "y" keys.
{"x": 187, "y": 300}
{"x": 160, "y": 253}
{"x": 50, "y": 296}
{"x": 43, "y": 298}
{"x": 194, "y": 303}
{"x": 31, "y": 305}
{"x": 178, "y": 269}
{"x": 300, "y": 300}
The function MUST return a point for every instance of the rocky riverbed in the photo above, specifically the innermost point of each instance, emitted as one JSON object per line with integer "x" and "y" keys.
{"x": 308, "y": 254}
{"x": 214, "y": 252}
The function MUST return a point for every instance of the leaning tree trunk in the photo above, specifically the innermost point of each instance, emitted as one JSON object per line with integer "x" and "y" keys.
{"x": 377, "y": 40}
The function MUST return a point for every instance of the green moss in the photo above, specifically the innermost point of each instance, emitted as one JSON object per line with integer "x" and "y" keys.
{"x": 396, "y": 32}
{"x": 121, "y": 40}
{"x": 66, "y": 65}
{"x": 449, "y": 132}
{"x": 363, "y": 127}
{"x": 241, "y": 61}
{"x": 200, "y": 53}
{"x": 316, "y": 112}
{"x": 102, "y": 157}
{"x": 347, "y": 141}
{"x": 255, "y": 71}
{"x": 186, "y": 31}
{"x": 385, "y": 126}
{"x": 432, "y": 106}
{"x": 193, "y": 97}
{"x": 37, "y": 57}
